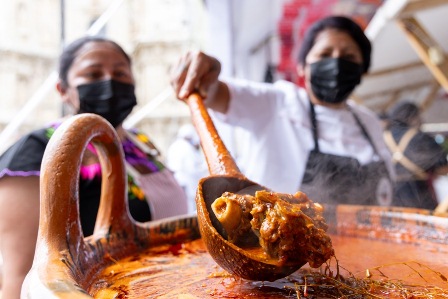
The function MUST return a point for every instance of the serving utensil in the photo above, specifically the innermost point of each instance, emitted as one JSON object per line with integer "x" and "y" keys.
{"x": 226, "y": 176}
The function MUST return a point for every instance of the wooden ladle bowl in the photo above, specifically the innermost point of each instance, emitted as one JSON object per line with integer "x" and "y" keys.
{"x": 226, "y": 176}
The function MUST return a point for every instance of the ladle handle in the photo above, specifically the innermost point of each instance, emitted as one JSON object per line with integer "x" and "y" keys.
{"x": 218, "y": 158}
{"x": 60, "y": 225}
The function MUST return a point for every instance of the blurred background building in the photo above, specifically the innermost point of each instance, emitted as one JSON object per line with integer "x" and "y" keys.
{"x": 254, "y": 39}
{"x": 33, "y": 33}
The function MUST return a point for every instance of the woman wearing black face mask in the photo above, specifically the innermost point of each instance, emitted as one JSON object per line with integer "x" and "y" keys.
{"x": 311, "y": 139}
{"x": 94, "y": 77}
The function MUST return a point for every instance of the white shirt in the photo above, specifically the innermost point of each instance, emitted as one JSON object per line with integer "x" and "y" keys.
{"x": 276, "y": 136}
{"x": 189, "y": 166}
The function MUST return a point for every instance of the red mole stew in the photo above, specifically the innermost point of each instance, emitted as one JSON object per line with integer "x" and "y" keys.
{"x": 188, "y": 271}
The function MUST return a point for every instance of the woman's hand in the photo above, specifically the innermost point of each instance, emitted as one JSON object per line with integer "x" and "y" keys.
{"x": 196, "y": 72}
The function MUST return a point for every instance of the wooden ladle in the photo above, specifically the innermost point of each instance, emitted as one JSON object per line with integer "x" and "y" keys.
{"x": 226, "y": 176}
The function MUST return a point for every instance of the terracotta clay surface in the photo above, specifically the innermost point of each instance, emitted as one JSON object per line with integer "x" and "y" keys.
{"x": 190, "y": 272}
{"x": 408, "y": 246}
{"x": 168, "y": 258}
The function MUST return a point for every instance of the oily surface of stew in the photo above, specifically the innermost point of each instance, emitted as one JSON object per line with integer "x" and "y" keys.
{"x": 187, "y": 271}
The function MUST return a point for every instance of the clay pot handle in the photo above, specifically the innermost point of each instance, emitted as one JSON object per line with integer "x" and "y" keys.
{"x": 218, "y": 158}
{"x": 60, "y": 225}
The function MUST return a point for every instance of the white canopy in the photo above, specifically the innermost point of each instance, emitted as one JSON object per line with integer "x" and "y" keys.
{"x": 410, "y": 39}
{"x": 406, "y": 63}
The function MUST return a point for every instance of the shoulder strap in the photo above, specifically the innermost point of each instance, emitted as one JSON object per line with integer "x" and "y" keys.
{"x": 398, "y": 152}
{"x": 314, "y": 126}
{"x": 363, "y": 130}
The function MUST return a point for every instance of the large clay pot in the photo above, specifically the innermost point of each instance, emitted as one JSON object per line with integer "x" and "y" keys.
{"x": 66, "y": 264}
{"x": 65, "y": 261}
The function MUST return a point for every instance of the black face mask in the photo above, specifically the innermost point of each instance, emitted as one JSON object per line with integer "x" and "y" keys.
{"x": 110, "y": 99}
{"x": 333, "y": 79}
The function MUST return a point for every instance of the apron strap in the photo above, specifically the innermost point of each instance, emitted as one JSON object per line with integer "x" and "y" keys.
{"x": 363, "y": 129}
{"x": 314, "y": 126}
{"x": 354, "y": 189}
{"x": 358, "y": 121}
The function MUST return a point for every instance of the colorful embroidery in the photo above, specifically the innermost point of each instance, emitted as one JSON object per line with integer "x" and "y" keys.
{"x": 89, "y": 172}
{"x": 141, "y": 137}
{"x": 134, "y": 192}
{"x": 133, "y": 155}
{"x": 50, "y": 131}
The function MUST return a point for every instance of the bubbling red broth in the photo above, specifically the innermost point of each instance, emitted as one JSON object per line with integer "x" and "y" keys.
{"x": 368, "y": 268}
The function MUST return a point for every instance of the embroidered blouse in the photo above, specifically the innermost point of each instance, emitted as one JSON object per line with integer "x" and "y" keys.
{"x": 25, "y": 156}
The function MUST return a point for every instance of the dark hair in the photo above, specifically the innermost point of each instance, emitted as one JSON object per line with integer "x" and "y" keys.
{"x": 404, "y": 113}
{"x": 340, "y": 23}
{"x": 70, "y": 52}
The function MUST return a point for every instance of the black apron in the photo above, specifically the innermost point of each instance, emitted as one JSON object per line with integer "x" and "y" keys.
{"x": 343, "y": 180}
